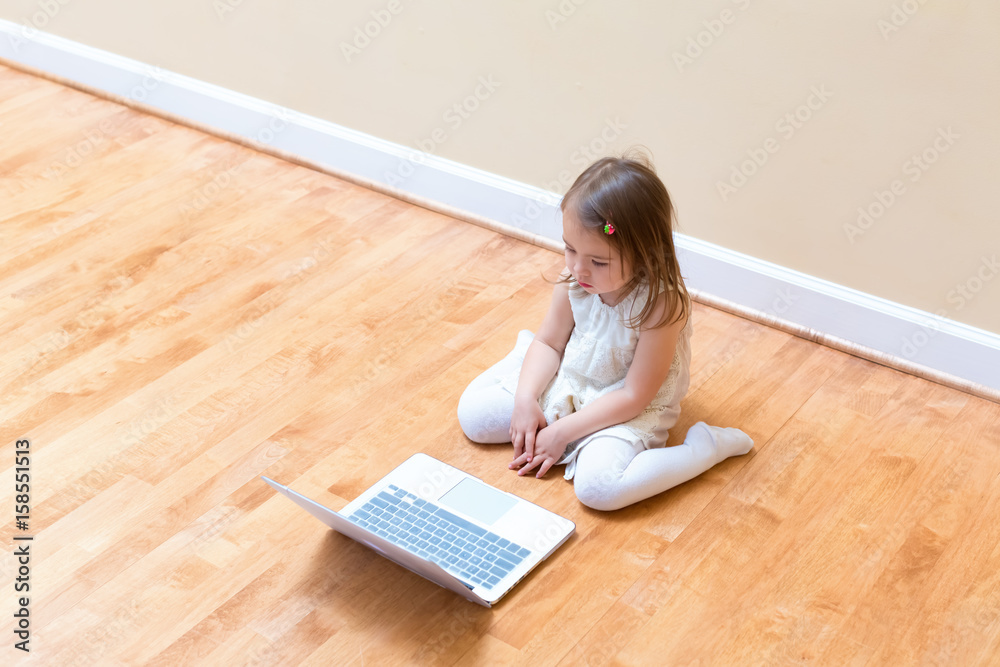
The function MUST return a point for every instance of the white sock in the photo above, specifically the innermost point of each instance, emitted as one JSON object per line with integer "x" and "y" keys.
{"x": 725, "y": 441}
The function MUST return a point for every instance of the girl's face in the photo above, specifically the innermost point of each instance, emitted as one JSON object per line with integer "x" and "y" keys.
{"x": 592, "y": 260}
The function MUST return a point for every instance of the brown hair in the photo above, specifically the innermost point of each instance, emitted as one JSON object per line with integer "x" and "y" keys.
{"x": 627, "y": 193}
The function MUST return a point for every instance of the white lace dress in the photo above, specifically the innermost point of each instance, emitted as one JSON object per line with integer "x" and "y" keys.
{"x": 596, "y": 361}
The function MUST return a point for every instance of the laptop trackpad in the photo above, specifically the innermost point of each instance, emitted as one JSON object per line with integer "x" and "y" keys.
{"x": 479, "y": 501}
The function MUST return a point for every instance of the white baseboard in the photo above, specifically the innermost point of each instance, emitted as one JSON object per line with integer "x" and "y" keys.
{"x": 912, "y": 337}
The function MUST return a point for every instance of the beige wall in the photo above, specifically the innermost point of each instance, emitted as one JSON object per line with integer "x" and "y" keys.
{"x": 874, "y": 83}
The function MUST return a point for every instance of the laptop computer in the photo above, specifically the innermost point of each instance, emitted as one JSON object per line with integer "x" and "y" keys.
{"x": 448, "y": 527}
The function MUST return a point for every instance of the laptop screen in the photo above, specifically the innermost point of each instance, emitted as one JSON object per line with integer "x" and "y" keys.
{"x": 479, "y": 501}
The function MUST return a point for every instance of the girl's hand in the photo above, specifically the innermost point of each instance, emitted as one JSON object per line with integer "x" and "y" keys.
{"x": 549, "y": 448}
{"x": 525, "y": 422}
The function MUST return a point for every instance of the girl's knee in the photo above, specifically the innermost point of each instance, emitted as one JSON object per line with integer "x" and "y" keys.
{"x": 598, "y": 490}
{"x": 599, "y": 478}
{"x": 598, "y": 497}
{"x": 483, "y": 418}
{"x": 469, "y": 418}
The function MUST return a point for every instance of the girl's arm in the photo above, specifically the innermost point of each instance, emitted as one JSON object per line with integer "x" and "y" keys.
{"x": 541, "y": 362}
{"x": 654, "y": 355}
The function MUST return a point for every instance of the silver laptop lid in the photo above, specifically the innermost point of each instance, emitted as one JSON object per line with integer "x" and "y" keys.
{"x": 410, "y": 561}
{"x": 463, "y": 498}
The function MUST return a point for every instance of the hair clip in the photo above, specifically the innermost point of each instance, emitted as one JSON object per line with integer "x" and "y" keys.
{"x": 609, "y": 229}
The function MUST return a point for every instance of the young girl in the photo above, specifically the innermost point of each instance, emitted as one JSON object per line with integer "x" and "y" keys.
{"x": 600, "y": 384}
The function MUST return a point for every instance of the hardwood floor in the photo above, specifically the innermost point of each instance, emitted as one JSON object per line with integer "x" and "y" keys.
{"x": 182, "y": 315}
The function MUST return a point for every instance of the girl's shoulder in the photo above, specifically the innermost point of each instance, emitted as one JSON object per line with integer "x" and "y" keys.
{"x": 665, "y": 297}
{"x": 639, "y": 297}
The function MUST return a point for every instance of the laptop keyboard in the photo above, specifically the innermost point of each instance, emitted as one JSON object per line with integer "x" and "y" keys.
{"x": 462, "y": 548}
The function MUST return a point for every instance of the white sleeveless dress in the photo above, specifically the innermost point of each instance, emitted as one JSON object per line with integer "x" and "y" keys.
{"x": 596, "y": 361}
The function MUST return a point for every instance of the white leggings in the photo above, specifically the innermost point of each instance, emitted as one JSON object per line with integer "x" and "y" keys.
{"x": 610, "y": 472}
